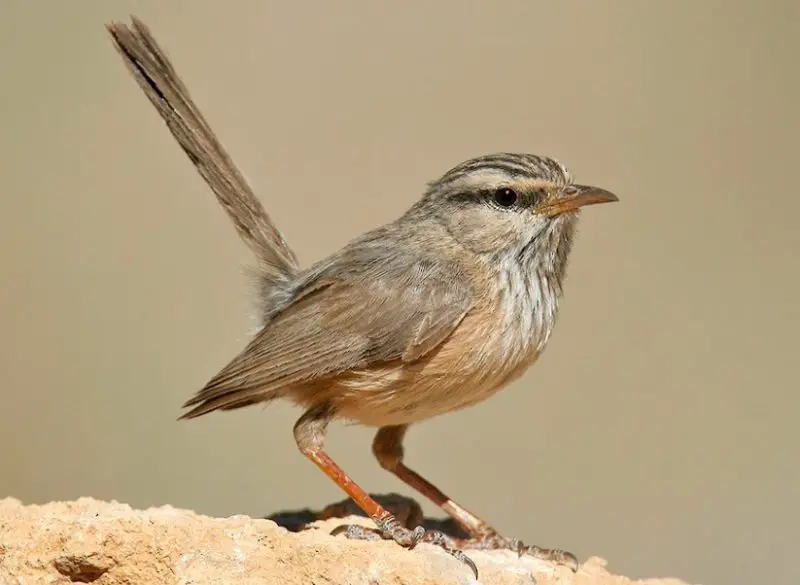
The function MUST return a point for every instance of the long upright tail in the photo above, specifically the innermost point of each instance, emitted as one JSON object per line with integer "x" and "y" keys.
{"x": 156, "y": 76}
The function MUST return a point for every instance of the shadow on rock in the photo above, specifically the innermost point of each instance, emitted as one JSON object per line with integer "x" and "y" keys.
{"x": 406, "y": 510}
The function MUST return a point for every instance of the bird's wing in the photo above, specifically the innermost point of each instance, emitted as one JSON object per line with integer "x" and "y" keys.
{"x": 368, "y": 306}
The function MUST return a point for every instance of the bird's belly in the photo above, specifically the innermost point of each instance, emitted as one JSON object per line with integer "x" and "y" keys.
{"x": 477, "y": 361}
{"x": 373, "y": 401}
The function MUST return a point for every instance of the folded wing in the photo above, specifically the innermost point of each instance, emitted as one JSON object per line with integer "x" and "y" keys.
{"x": 361, "y": 307}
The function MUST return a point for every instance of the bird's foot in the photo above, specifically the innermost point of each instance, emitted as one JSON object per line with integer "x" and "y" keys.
{"x": 390, "y": 529}
{"x": 493, "y": 541}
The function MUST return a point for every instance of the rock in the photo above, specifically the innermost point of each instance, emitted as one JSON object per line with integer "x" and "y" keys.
{"x": 109, "y": 543}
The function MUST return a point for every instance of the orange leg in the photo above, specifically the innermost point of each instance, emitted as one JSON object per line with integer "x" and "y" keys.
{"x": 388, "y": 450}
{"x": 309, "y": 433}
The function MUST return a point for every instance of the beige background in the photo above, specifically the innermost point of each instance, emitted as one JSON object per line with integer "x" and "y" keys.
{"x": 659, "y": 430}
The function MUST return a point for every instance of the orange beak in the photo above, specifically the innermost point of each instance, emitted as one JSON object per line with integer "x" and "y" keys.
{"x": 576, "y": 196}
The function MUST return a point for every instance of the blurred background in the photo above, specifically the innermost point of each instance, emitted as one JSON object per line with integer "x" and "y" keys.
{"x": 660, "y": 428}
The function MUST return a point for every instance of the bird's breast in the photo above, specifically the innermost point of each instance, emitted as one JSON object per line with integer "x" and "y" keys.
{"x": 498, "y": 339}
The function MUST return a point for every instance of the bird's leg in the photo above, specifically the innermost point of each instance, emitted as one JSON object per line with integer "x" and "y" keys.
{"x": 309, "y": 433}
{"x": 388, "y": 450}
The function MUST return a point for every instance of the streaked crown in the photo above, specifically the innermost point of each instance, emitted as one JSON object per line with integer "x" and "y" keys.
{"x": 513, "y": 165}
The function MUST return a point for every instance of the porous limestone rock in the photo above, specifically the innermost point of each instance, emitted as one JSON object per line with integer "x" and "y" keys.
{"x": 109, "y": 543}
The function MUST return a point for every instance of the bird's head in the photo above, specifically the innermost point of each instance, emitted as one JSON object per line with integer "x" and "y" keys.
{"x": 521, "y": 207}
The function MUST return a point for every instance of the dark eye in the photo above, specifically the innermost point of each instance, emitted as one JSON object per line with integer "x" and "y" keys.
{"x": 505, "y": 197}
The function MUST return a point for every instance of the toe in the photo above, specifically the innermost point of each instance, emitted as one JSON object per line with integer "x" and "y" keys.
{"x": 554, "y": 555}
{"x": 356, "y": 532}
{"x": 568, "y": 559}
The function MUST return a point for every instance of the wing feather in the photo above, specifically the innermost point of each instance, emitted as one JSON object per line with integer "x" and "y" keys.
{"x": 364, "y": 306}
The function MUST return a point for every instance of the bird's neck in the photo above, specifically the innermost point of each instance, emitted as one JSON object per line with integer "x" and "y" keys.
{"x": 530, "y": 284}
{"x": 545, "y": 257}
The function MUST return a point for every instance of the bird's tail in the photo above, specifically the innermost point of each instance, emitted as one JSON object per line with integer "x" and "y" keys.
{"x": 156, "y": 76}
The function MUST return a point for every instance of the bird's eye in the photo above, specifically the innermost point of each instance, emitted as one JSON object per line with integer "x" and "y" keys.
{"x": 505, "y": 197}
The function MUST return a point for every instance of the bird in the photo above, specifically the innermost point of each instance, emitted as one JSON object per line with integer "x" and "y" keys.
{"x": 432, "y": 312}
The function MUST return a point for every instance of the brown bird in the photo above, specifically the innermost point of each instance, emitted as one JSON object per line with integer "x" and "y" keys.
{"x": 428, "y": 314}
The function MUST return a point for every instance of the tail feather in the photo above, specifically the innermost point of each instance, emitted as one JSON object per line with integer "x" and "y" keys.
{"x": 156, "y": 76}
{"x": 229, "y": 402}
{"x": 154, "y": 72}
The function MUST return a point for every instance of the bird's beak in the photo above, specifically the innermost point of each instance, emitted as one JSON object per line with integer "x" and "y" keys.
{"x": 576, "y": 196}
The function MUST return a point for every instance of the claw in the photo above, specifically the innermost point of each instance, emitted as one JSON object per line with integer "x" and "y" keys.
{"x": 461, "y": 556}
{"x": 449, "y": 546}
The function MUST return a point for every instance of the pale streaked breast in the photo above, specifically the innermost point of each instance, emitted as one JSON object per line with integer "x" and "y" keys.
{"x": 494, "y": 344}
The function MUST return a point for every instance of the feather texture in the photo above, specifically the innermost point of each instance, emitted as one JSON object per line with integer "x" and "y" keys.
{"x": 366, "y": 305}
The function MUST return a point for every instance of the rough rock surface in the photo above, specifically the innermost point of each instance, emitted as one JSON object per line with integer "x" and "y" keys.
{"x": 108, "y": 543}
